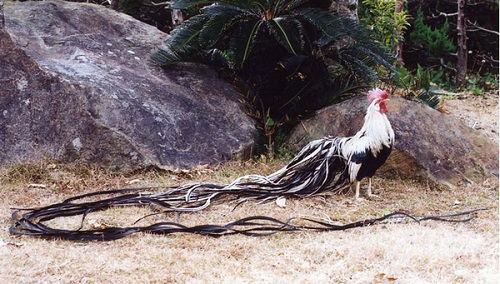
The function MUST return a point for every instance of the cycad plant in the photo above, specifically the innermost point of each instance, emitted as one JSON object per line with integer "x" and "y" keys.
{"x": 288, "y": 57}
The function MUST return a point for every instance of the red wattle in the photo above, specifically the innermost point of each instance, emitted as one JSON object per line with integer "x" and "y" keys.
{"x": 383, "y": 108}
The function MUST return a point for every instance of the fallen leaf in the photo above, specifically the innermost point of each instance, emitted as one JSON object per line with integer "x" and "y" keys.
{"x": 51, "y": 166}
{"x": 281, "y": 202}
{"x": 379, "y": 276}
{"x": 98, "y": 224}
{"x": 382, "y": 278}
{"x": 37, "y": 185}
{"x": 133, "y": 181}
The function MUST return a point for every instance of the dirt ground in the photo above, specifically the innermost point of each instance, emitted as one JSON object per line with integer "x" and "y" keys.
{"x": 478, "y": 112}
{"x": 429, "y": 252}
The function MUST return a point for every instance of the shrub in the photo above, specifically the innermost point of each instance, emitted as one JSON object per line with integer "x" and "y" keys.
{"x": 434, "y": 41}
{"x": 287, "y": 57}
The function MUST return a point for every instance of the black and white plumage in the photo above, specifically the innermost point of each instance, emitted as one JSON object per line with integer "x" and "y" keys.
{"x": 333, "y": 163}
{"x": 370, "y": 147}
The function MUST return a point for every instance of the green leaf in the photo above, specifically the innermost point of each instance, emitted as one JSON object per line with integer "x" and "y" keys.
{"x": 188, "y": 32}
{"x": 242, "y": 41}
{"x": 270, "y": 122}
{"x": 326, "y": 22}
{"x": 278, "y": 28}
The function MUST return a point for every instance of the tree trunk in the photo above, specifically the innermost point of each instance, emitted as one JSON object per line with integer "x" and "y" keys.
{"x": 346, "y": 9}
{"x": 177, "y": 18}
{"x": 398, "y": 45}
{"x": 461, "y": 44}
{"x": 2, "y": 20}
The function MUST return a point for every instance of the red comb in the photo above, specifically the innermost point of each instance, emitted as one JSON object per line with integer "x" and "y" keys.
{"x": 377, "y": 94}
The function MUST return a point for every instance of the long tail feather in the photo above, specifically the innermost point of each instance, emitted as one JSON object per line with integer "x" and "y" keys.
{"x": 316, "y": 169}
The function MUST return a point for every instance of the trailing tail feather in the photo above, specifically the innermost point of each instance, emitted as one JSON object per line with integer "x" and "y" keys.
{"x": 318, "y": 168}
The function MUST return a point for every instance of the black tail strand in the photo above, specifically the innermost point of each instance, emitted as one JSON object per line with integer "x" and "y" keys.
{"x": 317, "y": 169}
{"x": 249, "y": 226}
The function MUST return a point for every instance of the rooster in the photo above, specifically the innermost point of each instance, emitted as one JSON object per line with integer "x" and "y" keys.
{"x": 335, "y": 163}
{"x": 366, "y": 151}
{"x": 330, "y": 164}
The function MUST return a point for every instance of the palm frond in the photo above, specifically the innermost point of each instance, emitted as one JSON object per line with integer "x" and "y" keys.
{"x": 188, "y": 32}
{"x": 357, "y": 65}
{"x": 286, "y": 37}
{"x": 293, "y": 4}
{"x": 292, "y": 64}
{"x": 221, "y": 59}
{"x": 355, "y": 30}
{"x": 326, "y": 22}
{"x": 377, "y": 54}
{"x": 217, "y": 27}
{"x": 304, "y": 75}
{"x": 223, "y": 8}
{"x": 243, "y": 39}
{"x": 167, "y": 56}
{"x": 184, "y": 4}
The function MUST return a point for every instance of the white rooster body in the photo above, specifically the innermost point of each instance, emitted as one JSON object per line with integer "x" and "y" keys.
{"x": 334, "y": 163}
{"x": 366, "y": 151}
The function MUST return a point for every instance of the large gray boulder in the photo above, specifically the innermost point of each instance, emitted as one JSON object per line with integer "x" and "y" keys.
{"x": 77, "y": 86}
{"x": 428, "y": 144}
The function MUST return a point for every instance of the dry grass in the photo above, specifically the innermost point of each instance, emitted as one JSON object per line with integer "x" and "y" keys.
{"x": 431, "y": 252}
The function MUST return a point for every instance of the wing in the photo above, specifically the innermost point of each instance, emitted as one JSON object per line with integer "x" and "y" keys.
{"x": 365, "y": 161}
{"x": 355, "y": 151}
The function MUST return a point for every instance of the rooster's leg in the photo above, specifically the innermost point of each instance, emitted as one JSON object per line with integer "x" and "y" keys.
{"x": 369, "y": 192}
{"x": 358, "y": 184}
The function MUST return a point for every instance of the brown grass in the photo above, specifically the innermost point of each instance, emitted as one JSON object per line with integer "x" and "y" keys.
{"x": 430, "y": 252}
